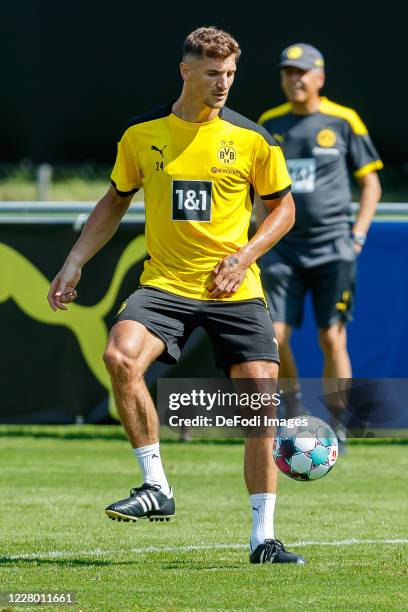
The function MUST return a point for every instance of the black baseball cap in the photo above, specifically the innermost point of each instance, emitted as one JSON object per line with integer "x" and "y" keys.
{"x": 301, "y": 56}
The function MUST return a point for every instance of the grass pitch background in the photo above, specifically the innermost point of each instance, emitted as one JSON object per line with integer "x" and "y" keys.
{"x": 56, "y": 483}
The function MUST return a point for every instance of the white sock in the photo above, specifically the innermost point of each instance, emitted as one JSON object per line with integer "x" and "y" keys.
{"x": 263, "y": 507}
{"x": 151, "y": 465}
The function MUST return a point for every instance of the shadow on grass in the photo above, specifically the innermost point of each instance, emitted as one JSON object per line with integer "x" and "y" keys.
{"x": 69, "y": 562}
{"x": 169, "y": 566}
{"x": 199, "y": 567}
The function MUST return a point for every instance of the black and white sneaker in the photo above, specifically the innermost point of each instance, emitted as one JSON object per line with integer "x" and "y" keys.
{"x": 144, "y": 502}
{"x": 273, "y": 551}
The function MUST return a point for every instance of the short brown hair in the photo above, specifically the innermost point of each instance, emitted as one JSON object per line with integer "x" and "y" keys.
{"x": 211, "y": 42}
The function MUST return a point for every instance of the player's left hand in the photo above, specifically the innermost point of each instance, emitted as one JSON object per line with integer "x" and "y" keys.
{"x": 358, "y": 249}
{"x": 228, "y": 276}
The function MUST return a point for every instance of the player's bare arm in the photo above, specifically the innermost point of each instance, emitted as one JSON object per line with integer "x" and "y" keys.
{"x": 98, "y": 230}
{"x": 230, "y": 272}
{"x": 369, "y": 197}
{"x": 260, "y": 211}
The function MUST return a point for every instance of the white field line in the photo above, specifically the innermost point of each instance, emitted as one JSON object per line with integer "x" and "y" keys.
{"x": 98, "y": 552}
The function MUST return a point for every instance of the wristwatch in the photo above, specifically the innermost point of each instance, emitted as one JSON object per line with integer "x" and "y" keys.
{"x": 359, "y": 238}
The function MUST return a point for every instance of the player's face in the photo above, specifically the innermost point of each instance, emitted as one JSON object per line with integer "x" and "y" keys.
{"x": 301, "y": 85}
{"x": 209, "y": 79}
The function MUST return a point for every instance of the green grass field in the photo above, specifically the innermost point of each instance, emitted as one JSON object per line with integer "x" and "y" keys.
{"x": 56, "y": 537}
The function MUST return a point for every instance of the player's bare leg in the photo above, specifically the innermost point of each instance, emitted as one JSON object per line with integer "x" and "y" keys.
{"x": 288, "y": 372}
{"x": 130, "y": 351}
{"x": 337, "y": 365}
{"x": 261, "y": 475}
{"x": 259, "y": 467}
{"x": 260, "y": 470}
{"x": 336, "y": 374}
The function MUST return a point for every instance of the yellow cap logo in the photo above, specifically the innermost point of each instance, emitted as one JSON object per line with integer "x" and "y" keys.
{"x": 326, "y": 138}
{"x": 294, "y": 53}
{"x": 319, "y": 62}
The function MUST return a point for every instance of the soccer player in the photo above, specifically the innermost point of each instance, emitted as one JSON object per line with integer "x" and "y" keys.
{"x": 322, "y": 141}
{"x": 199, "y": 164}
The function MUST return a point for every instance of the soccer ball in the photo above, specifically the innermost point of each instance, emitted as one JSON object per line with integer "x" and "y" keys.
{"x": 307, "y": 451}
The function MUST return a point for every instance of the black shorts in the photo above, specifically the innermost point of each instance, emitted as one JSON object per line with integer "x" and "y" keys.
{"x": 332, "y": 286}
{"x": 239, "y": 331}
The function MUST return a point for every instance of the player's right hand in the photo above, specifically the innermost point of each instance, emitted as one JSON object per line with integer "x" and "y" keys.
{"x": 62, "y": 290}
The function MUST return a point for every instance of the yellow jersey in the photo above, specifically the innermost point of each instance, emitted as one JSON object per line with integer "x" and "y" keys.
{"x": 198, "y": 181}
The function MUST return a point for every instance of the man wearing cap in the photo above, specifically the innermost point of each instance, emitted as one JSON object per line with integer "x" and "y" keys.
{"x": 323, "y": 142}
